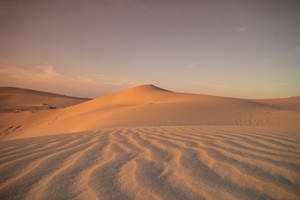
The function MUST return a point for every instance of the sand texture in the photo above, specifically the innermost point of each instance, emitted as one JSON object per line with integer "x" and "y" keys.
{"x": 190, "y": 162}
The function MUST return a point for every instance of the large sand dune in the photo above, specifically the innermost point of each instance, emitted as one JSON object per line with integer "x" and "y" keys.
{"x": 184, "y": 162}
{"x": 148, "y": 105}
{"x": 151, "y": 143}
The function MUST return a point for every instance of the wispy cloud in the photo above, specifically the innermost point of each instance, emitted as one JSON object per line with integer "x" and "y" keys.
{"x": 193, "y": 65}
{"x": 46, "y": 77}
{"x": 243, "y": 28}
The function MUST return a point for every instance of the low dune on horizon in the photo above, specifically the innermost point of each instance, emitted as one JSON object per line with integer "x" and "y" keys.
{"x": 148, "y": 143}
{"x": 14, "y": 99}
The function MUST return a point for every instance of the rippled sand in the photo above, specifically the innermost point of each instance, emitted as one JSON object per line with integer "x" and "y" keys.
{"x": 188, "y": 162}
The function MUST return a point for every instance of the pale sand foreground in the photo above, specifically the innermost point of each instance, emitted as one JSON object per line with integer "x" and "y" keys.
{"x": 175, "y": 162}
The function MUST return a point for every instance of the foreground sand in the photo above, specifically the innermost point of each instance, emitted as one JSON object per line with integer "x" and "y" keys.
{"x": 167, "y": 162}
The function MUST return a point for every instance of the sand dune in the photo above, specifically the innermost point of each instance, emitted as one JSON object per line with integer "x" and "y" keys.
{"x": 148, "y": 105}
{"x": 151, "y": 143}
{"x": 179, "y": 162}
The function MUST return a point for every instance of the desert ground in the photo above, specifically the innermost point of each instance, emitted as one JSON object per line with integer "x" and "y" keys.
{"x": 148, "y": 143}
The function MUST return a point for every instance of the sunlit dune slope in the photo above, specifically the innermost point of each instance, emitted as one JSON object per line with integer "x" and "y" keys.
{"x": 148, "y": 105}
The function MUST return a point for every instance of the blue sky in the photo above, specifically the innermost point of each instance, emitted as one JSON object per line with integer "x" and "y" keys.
{"x": 90, "y": 48}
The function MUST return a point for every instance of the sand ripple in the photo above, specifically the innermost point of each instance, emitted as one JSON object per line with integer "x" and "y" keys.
{"x": 190, "y": 162}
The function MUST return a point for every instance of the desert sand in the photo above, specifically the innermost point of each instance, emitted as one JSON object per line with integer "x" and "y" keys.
{"x": 150, "y": 143}
{"x": 18, "y": 105}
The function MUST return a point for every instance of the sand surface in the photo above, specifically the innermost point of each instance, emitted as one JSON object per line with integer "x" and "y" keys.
{"x": 183, "y": 162}
{"x": 151, "y": 143}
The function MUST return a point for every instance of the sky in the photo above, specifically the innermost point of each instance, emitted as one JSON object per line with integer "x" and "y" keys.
{"x": 90, "y": 48}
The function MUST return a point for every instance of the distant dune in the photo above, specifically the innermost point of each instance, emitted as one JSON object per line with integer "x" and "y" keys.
{"x": 149, "y": 143}
{"x": 18, "y": 105}
{"x": 12, "y": 99}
